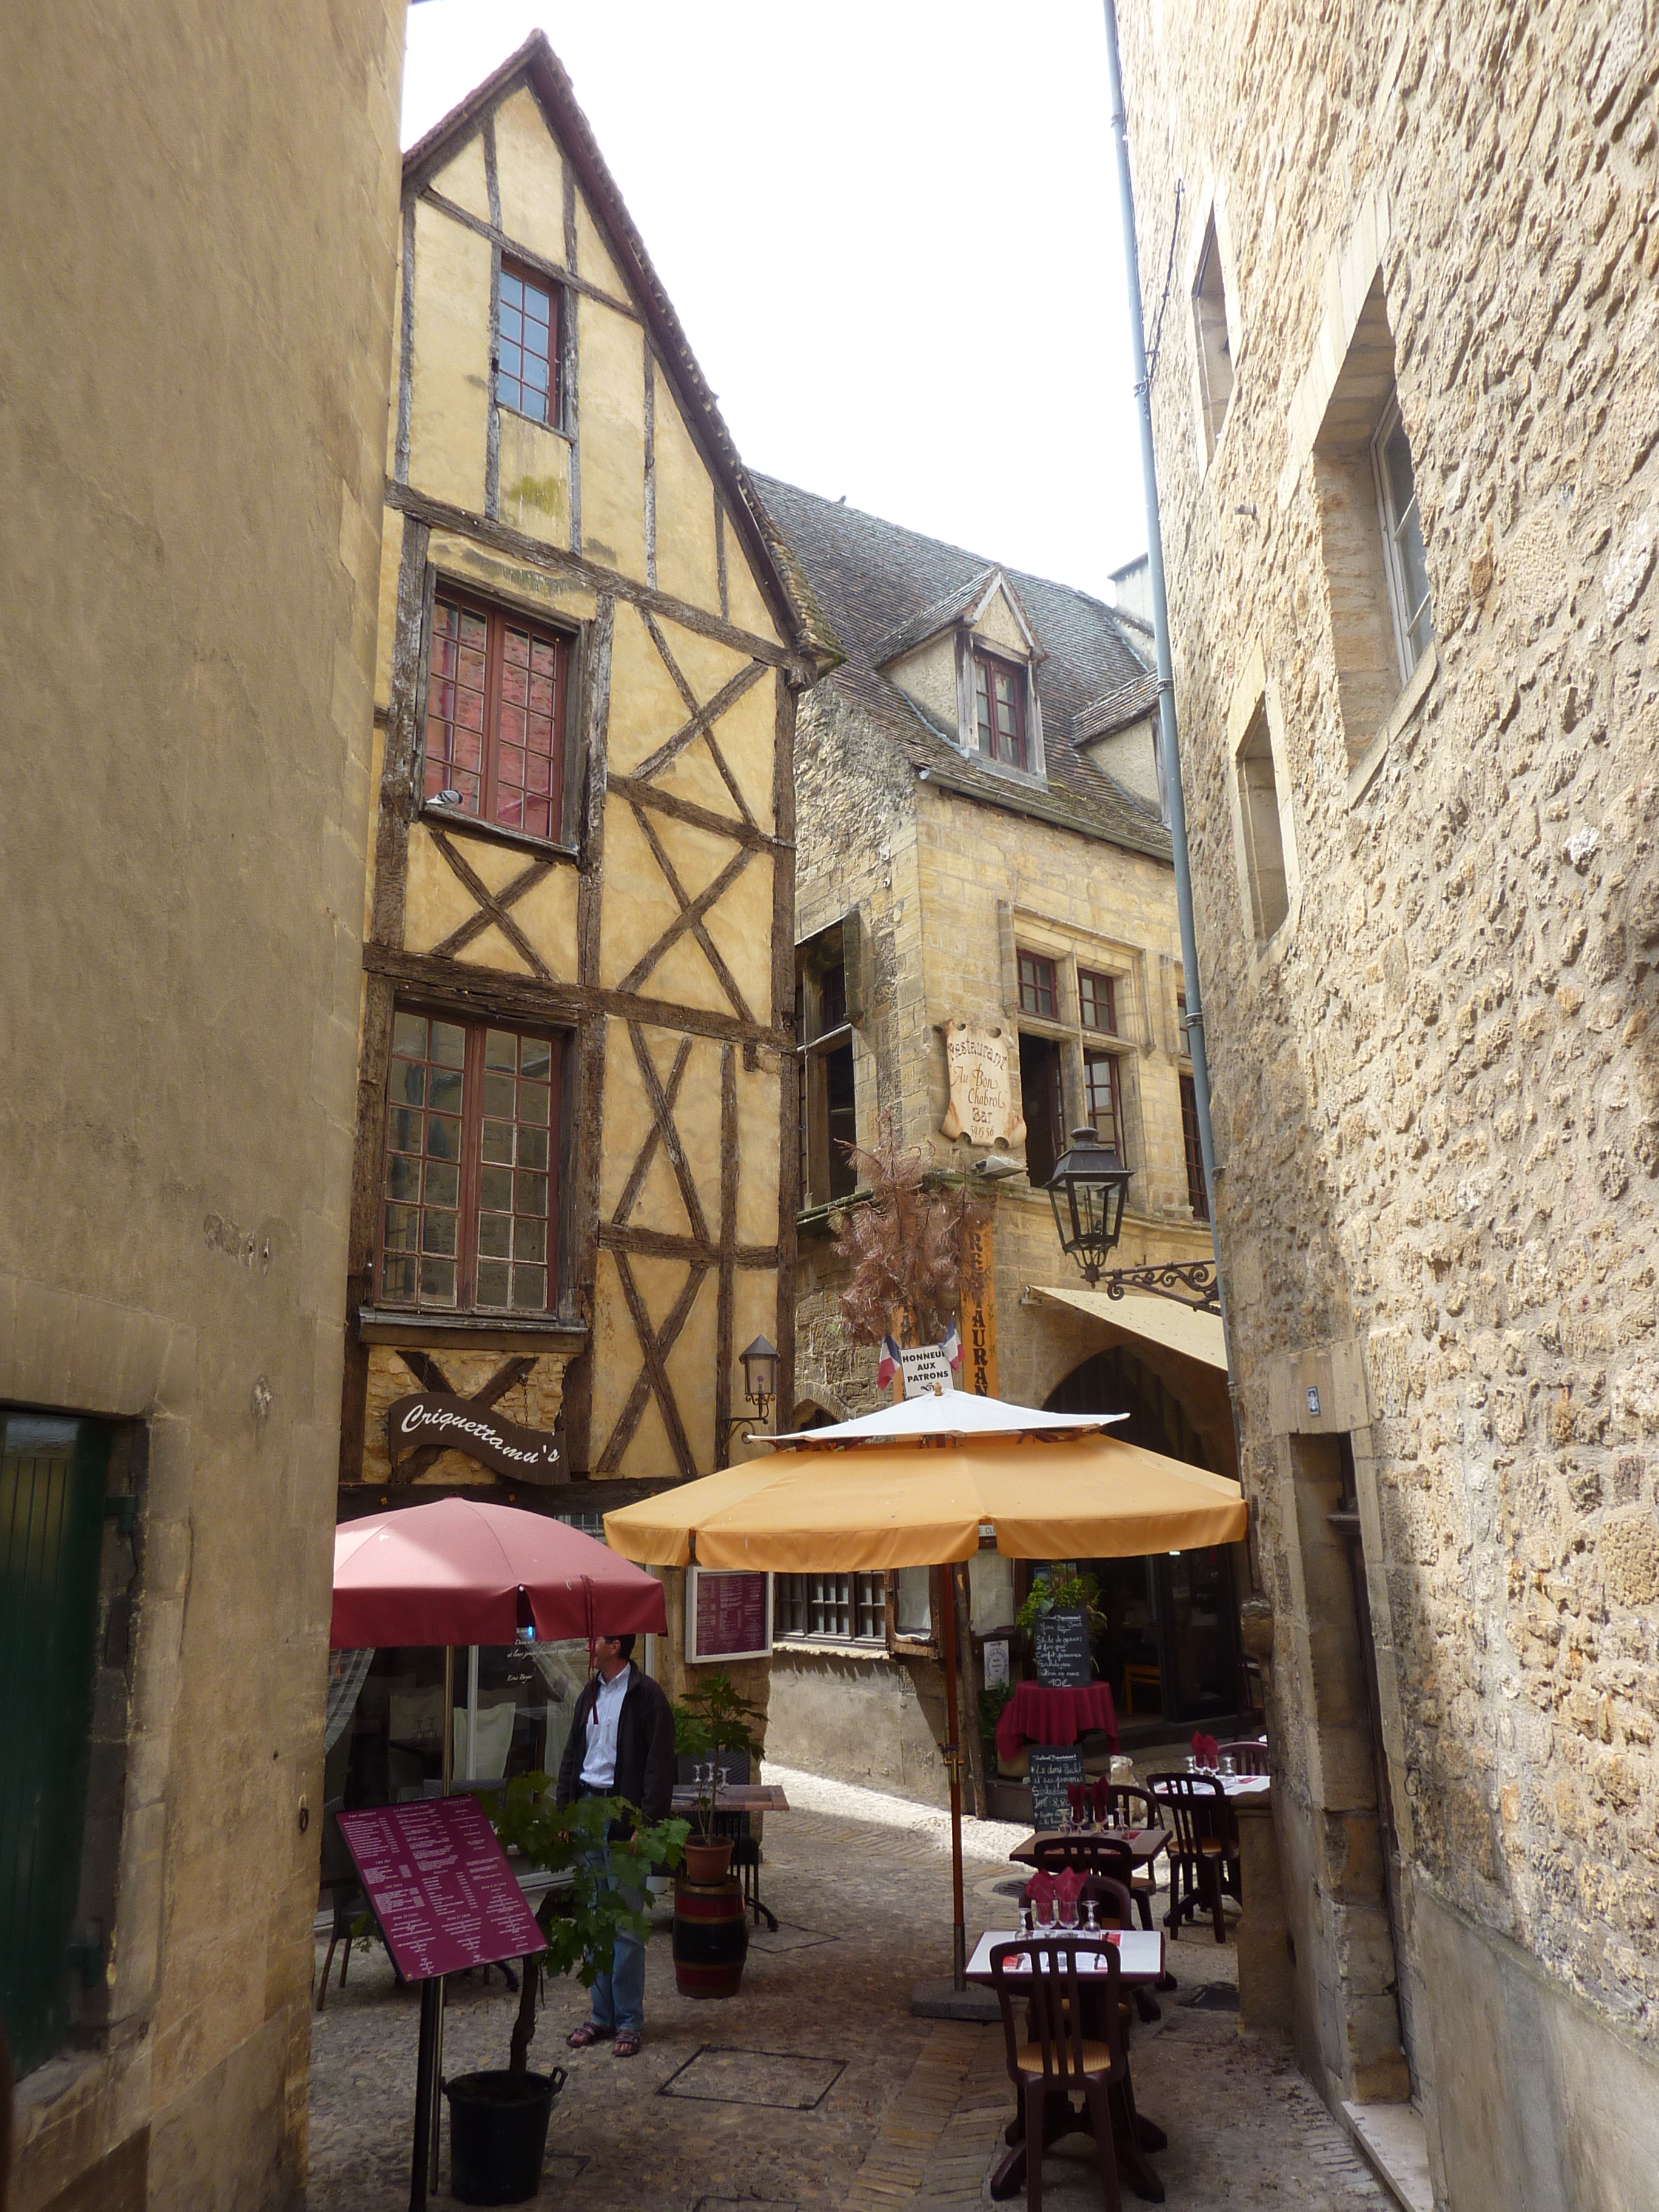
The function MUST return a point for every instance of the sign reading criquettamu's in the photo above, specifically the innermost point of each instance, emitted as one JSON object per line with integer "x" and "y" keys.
{"x": 432, "y": 1417}
{"x": 984, "y": 1104}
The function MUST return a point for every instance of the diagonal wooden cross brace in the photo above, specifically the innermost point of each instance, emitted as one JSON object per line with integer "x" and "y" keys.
{"x": 652, "y": 1379}
{"x": 493, "y": 907}
{"x": 690, "y": 917}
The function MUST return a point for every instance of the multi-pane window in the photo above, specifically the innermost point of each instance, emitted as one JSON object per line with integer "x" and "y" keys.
{"x": 494, "y": 717}
{"x": 1097, "y": 1000}
{"x": 527, "y": 346}
{"x": 1103, "y": 1099}
{"x": 1039, "y": 992}
{"x": 827, "y": 1097}
{"x": 1197, "y": 1196}
{"x": 467, "y": 1207}
{"x": 1000, "y": 709}
{"x": 1402, "y": 540}
{"x": 838, "y": 1609}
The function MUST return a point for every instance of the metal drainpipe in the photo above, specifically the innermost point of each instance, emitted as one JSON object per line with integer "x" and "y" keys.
{"x": 1168, "y": 742}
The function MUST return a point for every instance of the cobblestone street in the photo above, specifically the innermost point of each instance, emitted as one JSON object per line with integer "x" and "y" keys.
{"x": 816, "y": 2086}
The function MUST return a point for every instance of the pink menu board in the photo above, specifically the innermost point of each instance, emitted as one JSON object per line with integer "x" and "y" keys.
{"x": 730, "y": 1620}
{"x": 441, "y": 1886}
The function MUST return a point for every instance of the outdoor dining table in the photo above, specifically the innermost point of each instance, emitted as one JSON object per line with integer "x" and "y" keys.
{"x": 1140, "y": 1965}
{"x": 734, "y": 1797}
{"x": 1143, "y": 1844}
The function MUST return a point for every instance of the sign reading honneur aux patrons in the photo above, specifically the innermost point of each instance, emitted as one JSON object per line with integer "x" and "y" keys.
{"x": 984, "y": 1104}
{"x": 432, "y": 1417}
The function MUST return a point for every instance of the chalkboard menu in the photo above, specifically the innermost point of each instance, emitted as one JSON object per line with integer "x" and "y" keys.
{"x": 1052, "y": 1766}
{"x": 441, "y": 1886}
{"x": 1060, "y": 1645}
{"x": 727, "y": 1616}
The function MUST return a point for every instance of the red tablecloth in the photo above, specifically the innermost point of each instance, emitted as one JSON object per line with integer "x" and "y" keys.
{"x": 1036, "y": 1714}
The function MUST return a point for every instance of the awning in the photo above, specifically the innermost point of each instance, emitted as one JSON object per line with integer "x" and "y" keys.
{"x": 1162, "y": 1322}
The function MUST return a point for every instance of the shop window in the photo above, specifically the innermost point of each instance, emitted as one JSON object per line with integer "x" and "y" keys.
{"x": 1104, "y": 1101}
{"x": 999, "y": 710}
{"x": 827, "y": 1100}
{"x": 1042, "y": 1105}
{"x": 467, "y": 1203}
{"x": 494, "y": 718}
{"x": 527, "y": 346}
{"x": 1215, "y": 360}
{"x": 1197, "y": 1196}
{"x": 1039, "y": 986}
{"x": 1097, "y": 1000}
{"x": 829, "y": 1609}
{"x": 52, "y": 1478}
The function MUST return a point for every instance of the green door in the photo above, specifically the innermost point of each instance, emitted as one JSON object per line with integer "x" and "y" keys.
{"x": 52, "y": 1473}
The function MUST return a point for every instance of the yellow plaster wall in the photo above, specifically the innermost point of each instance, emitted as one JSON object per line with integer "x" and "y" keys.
{"x": 536, "y": 589}
{"x": 461, "y": 179}
{"x": 750, "y": 609}
{"x": 611, "y": 348}
{"x": 530, "y": 177}
{"x": 929, "y": 676}
{"x": 757, "y": 1151}
{"x": 686, "y": 565}
{"x": 594, "y": 259}
{"x": 629, "y": 925}
{"x": 547, "y": 915}
{"x": 446, "y": 434}
{"x": 740, "y": 925}
{"x": 535, "y": 478}
{"x": 998, "y": 627}
{"x": 391, "y": 554}
{"x": 393, "y": 379}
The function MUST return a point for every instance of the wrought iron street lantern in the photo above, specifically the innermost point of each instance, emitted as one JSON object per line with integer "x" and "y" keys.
{"x": 1087, "y": 1190}
{"x": 760, "y": 1376}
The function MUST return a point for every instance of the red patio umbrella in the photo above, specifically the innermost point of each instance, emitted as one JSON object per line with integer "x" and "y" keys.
{"x": 461, "y": 1572}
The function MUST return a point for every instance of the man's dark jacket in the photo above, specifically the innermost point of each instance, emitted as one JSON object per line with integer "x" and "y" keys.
{"x": 645, "y": 1748}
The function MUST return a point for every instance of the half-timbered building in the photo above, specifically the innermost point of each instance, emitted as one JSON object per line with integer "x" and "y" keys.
{"x": 573, "y": 1204}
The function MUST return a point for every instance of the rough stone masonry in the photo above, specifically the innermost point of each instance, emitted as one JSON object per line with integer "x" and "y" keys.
{"x": 1428, "y": 913}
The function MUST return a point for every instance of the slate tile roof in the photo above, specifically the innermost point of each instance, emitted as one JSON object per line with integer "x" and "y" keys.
{"x": 876, "y": 582}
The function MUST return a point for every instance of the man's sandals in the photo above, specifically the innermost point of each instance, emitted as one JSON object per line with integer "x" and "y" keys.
{"x": 627, "y": 2045}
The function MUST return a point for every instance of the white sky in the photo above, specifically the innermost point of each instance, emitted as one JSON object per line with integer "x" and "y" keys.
{"x": 891, "y": 229}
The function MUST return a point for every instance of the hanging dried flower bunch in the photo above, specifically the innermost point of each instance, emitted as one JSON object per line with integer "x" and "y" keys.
{"x": 905, "y": 1247}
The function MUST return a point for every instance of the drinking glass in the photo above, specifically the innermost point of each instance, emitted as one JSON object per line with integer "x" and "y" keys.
{"x": 1065, "y": 1911}
{"x": 1092, "y": 1923}
{"x": 1192, "y": 1762}
{"x": 1228, "y": 1763}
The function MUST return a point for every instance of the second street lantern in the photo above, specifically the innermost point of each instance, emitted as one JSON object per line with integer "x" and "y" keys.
{"x": 1087, "y": 1190}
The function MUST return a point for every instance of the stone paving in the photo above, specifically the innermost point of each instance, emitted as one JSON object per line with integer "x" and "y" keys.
{"x": 816, "y": 2088}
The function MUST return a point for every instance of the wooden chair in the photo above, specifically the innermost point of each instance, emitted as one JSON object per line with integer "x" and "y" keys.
{"x": 1058, "y": 2058}
{"x": 340, "y": 1890}
{"x": 1249, "y": 1757}
{"x": 1135, "y": 1808}
{"x": 1203, "y": 1848}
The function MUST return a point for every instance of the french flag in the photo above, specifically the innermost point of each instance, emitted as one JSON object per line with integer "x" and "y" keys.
{"x": 889, "y": 1365}
{"x": 952, "y": 1347}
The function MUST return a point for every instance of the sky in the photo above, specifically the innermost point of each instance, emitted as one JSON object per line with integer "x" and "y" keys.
{"x": 891, "y": 231}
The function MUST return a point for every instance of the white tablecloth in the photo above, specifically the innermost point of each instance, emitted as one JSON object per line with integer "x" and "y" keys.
{"x": 1140, "y": 1951}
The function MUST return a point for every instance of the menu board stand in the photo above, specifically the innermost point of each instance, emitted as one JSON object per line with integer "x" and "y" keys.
{"x": 443, "y": 1898}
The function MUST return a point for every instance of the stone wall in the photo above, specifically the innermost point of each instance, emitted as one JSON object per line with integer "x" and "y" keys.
{"x": 1436, "y": 1108}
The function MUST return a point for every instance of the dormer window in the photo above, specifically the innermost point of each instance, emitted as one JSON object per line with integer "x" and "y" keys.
{"x": 1000, "y": 705}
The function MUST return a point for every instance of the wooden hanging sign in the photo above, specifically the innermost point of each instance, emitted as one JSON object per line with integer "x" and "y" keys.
{"x": 433, "y": 1417}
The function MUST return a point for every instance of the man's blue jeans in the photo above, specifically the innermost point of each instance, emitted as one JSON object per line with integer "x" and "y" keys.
{"x": 617, "y": 2000}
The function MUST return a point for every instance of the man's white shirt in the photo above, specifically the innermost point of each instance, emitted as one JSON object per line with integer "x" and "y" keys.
{"x": 600, "y": 1761}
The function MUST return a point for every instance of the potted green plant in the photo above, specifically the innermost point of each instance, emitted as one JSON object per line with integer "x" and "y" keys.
{"x": 498, "y": 2118}
{"x": 709, "y": 1720}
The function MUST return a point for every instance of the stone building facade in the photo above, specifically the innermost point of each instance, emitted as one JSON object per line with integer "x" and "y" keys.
{"x": 202, "y": 217}
{"x": 1406, "y": 412}
{"x": 1018, "y": 880}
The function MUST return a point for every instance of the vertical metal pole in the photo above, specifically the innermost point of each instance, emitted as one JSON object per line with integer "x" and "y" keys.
{"x": 472, "y": 1713}
{"x": 426, "y": 2073}
{"x": 434, "y": 2113}
{"x": 953, "y": 1768}
{"x": 1169, "y": 741}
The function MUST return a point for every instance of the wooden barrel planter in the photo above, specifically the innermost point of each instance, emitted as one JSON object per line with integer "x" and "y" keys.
{"x": 711, "y": 1936}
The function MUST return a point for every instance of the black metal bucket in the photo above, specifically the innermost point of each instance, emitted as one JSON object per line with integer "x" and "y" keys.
{"x": 498, "y": 2134}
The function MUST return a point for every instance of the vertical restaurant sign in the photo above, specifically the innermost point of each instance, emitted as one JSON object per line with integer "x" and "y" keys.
{"x": 979, "y": 1312}
{"x": 984, "y": 1104}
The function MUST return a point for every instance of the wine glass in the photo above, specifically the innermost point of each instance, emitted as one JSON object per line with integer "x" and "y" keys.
{"x": 1092, "y": 1921}
{"x": 1228, "y": 1763}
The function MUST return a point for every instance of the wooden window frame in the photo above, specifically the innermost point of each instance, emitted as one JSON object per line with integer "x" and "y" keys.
{"x": 1095, "y": 1059}
{"x": 471, "y": 1167}
{"x": 1039, "y": 961}
{"x": 1099, "y": 981}
{"x": 994, "y": 665}
{"x": 1198, "y": 1195}
{"x": 499, "y": 619}
{"x": 857, "y": 1597}
{"x": 536, "y": 282}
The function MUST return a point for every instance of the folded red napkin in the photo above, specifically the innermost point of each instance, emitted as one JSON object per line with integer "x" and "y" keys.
{"x": 1077, "y": 1796}
{"x": 1206, "y": 1750}
{"x": 1098, "y": 1797}
{"x": 1039, "y": 1895}
{"x": 1068, "y": 1883}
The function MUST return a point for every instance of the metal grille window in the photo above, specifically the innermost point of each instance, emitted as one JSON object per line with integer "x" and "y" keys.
{"x": 831, "y": 1608}
{"x": 494, "y": 718}
{"x": 1097, "y": 1000}
{"x": 1402, "y": 540}
{"x": 527, "y": 347}
{"x": 1039, "y": 992}
{"x": 468, "y": 1193}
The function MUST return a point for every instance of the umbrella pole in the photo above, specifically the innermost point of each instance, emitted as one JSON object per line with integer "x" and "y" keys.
{"x": 953, "y": 1768}
{"x": 434, "y": 2113}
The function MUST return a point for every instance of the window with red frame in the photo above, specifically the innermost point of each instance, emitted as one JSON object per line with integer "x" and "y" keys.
{"x": 527, "y": 347}
{"x": 494, "y": 717}
{"x": 466, "y": 1209}
{"x": 1103, "y": 1096}
{"x": 1039, "y": 992}
{"x": 1097, "y": 999}
{"x": 999, "y": 708}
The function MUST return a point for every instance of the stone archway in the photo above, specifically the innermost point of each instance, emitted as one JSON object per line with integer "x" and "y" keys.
{"x": 1115, "y": 1381}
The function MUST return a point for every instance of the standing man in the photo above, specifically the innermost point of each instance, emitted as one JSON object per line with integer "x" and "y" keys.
{"x": 621, "y": 1745}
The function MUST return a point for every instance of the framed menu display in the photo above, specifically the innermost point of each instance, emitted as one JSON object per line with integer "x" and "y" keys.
{"x": 440, "y": 1886}
{"x": 728, "y": 1616}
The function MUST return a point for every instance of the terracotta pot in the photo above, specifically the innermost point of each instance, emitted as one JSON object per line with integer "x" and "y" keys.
{"x": 1255, "y": 1629}
{"x": 707, "y": 1861}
